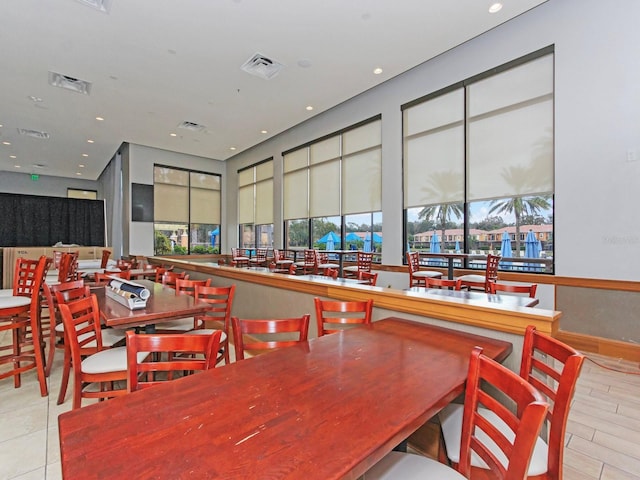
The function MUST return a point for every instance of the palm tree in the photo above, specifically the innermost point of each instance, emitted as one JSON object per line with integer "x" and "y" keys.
{"x": 520, "y": 206}
{"x": 441, "y": 214}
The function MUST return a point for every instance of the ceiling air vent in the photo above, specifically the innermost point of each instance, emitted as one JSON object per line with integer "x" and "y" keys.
{"x": 69, "y": 83}
{"x": 33, "y": 133}
{"x": 194, "y": 127}
{"x": 262, "y": 67}
{"x": 101, "y": 5}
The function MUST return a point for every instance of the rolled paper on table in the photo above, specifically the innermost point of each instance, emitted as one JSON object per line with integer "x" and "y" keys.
{"x": 134, "y": 290}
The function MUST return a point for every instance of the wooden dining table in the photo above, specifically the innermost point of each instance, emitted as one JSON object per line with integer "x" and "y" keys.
{"x": 326, "y": 409}
{"x": 163, "y": 305}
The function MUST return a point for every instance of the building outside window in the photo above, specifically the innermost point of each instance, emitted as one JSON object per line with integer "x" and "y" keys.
{"x": 255, "y": 205}
{"x": 332, "y": 191}
{"x": 478, "y": 166}
{"x": 186, "y": 211}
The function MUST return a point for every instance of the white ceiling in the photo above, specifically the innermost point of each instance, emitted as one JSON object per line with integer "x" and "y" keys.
{"x": 154, "y": 64}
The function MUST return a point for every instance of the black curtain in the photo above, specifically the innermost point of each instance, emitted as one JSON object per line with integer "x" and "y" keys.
{"x": 33, "y": 221}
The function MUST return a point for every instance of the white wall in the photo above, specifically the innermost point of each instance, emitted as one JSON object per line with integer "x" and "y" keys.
{"x": 597, "y": 122}
{"x": 46, "y": 186}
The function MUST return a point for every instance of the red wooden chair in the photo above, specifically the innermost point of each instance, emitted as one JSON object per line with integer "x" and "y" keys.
{"x": 308, "y": 264}
{"x": 478, "y": 439}
{"x": 363, "y": 264}
{"x": 68, "y": 267}
{"x": 368, "y": 277}
{"x": 21, "y": 316}
{"x": 68, "y": 292}
{"x": 442, "y": 283}
{"x": 238, "y": 258}
{"x": 169, "y": 278}
{"x": 482, "y": 282}
{"x": 202, "y": 351}
{"x": 553, "y": 368}
{"x": 183, "y": 286}
{"x": 260, "y": 259}
{"x": 218, "y": 315}
{"x": 331, "y": 272}
{"x": 105, "y": 258}
{"x": 280, "y": 264}
{"x": 92, "y": 363}
{"x": 529, "y": 289}
{"x": 333, "y": 315}
{"x": 416, "y": 276}
{"x": 264, "y": 327}
{"x": 56, "y": 330}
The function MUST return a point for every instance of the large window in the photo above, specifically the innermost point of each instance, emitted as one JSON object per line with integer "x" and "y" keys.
{"x": 186, "y": 211}
{"x": 478, "y": 166}
{"x": 332, "y": 190}
{"x": 255, "y": 205}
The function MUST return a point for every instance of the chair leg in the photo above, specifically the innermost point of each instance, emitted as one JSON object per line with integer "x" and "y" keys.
{"x": 39, "y": 353}
{"x": 17, "y": 339}
{"x": 66, "y": 369}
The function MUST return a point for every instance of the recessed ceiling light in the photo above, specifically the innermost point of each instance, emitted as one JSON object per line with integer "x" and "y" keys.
{"x": 263, "y": 131}
{"x": 232, "y": 148}
{"x": 89, "y": 141}
{"x": 100, "y": 119}
{"x": 173, "y": 134}
{"x": 17, "y": 166}
{"x": 377, "y": 71}
{"x": 81, "y": 165}
{"x": 78, "y": 173}
{"x": 6, "y": 143}
{"x": 309, "y": 107}
{"x": 12, "y": 156}
{"x": 85, "y": 154}
{"x": 34, "y": 98}
{"x": 495, "y": 8}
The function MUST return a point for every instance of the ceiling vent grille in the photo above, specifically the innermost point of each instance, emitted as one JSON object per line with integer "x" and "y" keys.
{"x": 101, "y": 5}
{"x": 262, "y": 67}
{"x": 33, "y": 133}
{"x": 69, "y": 83}
{"x": 191, "y": 126}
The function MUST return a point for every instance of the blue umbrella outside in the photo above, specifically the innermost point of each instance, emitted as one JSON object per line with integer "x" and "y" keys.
{"x": 377, "y": 238}
{"x": 458, "y": 247}
{"x": 214, "y": 234}
{"x": 367, "y": 243}
{"x": 531, "y": 249}
{"x": 505, "y": 250}
{"x": 331, "y": 235}
{"x": 330, "y": 243}
{"x": 434, "y": 247}
{"x": 352, "y": 237}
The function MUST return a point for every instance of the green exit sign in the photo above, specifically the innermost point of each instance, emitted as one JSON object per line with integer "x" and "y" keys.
{"x": 35, "y": 177}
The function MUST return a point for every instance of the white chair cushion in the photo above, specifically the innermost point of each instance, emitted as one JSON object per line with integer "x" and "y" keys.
{"x": 183, "y": 324}
{"x": 427, "y": 274}
{"x": 407, "y": 466}
{"x": 284, "y": 262}
{"x": 111, "y": 360}
{"x": 351, "y": 268}
{"x": 473, "y": 278}
{"x": 206, "y": 331}
{"x": 451, "y": 422}
{"x": 328, "y": 265}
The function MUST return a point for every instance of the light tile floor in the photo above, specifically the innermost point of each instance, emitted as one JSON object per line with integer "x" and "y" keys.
{"x": 603, "y": 435}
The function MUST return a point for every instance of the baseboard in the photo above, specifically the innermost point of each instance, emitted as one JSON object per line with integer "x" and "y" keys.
{"x": 603, "y": 346}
